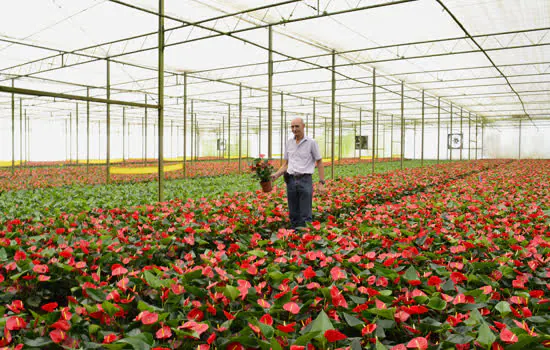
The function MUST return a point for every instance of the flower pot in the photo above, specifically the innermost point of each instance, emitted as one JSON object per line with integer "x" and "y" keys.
{"x": 266, "y": 186}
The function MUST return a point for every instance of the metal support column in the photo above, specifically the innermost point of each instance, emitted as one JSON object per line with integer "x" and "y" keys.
{"x": 259, "y": 131}
{"x": 240, "y": 125}
{"x": 477, "y": 142}
{"x": 333, "y": 114}
{"x": 270, "y": 96}
{"x": 12, "y": 130}
{"x": 20, "y": 132}
{"x": 360, "y": 131}
{"x": 314, "y": 111}
{"x": 519, "y": 143}
{"x": 282, "y": 127}
{"x": 161, "y": 101}
{"x": 402, "y": 123}
{"x": 461, "y": 135}
{"x": 145, "y": 127}
{"x": 77, "y": 135}
{"x": 87, "y": 131}
{"x": 108, "y": 152}
{"x": 229, "y": 133}
{"x": 373, "y": 116}
{"x": 422, "y": 134}
{"x": 391, "y": 137}
{"x": 124, "y": 134}
{"x": 438, "y": 126}
{"x": 450, "y": 132}
{"x": 469, "y": 135}
{"x": 339, "y": 132}
{"x": 185, "y": 124}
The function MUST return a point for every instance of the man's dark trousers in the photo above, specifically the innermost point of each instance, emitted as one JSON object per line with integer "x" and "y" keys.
{"x": 299, "y": 190}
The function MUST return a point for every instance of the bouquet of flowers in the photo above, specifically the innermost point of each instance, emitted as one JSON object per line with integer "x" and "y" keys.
{"x": 261, "y": 168}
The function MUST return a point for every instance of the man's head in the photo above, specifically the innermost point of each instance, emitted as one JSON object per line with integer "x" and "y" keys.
{"x": 297, "y": 126}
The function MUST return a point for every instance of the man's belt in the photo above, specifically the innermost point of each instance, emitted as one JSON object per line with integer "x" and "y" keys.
{"x": 298, "y": 176}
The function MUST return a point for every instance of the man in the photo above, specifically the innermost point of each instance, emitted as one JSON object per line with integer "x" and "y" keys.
{"x": 301, "y": 157}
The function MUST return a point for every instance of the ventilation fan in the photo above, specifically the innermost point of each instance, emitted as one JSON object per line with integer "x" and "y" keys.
{"x": 454, "y": 141}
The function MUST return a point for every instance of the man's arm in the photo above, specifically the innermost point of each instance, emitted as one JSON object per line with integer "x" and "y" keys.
{"x": 281, "y": 170}
{"x": 321, "y": 169}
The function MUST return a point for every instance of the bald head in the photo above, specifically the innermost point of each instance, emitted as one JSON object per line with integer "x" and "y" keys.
{"x": 297, "y": 126}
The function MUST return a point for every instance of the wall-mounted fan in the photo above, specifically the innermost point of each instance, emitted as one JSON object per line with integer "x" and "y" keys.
{"x": 454, "y": 141}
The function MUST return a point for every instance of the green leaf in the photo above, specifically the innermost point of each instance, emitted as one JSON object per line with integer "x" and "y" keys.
{"x": 275, "y": 345}
{"x": 231, "y": 292}
{"x": 459, "y": 339}
{"x": 485, "y": 335}
{"x": 38, "y": 342}
{"x": 503, "y": 307}
{"x": 193, "y": 275}
{"x": 109, "y": 308}
{"x": 266, "y": 329}
{"x": 352, "y": 321}
{"x": 385, "y": 313}
{"x": 411, "y": 274}
{"x": 142, "y": 341}
{"x": 306, "y": 338}
{"x": 3, "y": 254}
{"x": 258, "y": 253}
{"x": 380, "y": 346}
{"x": 96, "y": 294}
{"x": 385, "y": 272}
{"x": 356, "y": 344}
{"x": 152, "y": 280}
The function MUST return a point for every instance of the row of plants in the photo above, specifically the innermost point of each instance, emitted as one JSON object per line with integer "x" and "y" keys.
{"x": 435, "y": 268}
{"x": 49, "y": 202}
{"x": 26, "y": 178}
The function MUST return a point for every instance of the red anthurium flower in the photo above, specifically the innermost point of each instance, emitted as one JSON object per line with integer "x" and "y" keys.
{"x": 368, "y": 329}
{"x": 287, "y": 328}
{"x": 399, "y": 347}
{"x": 337, "y": 273}
{"x": 267, "y": 319}
{"x": 418, "y": 343}
{"x": 20, "y": 255}
{"x": 196, "y": 315}
{"x": 309, "y": 273}
{"x": 117, "y": 270}
{"x": 434, "y": 281}
{"x": 109, "y": 338}
{"x": 458, "y": 277}
{"x": 333, "y": 335}
{"x": 16, "y": 306}
{"x": 292, "y": 307}
{"x": 243, "y": 288}
{"x": 61, "y": 324}
{"x": 507, "y": 336}
{"x": 164, "y": 333}
{"x": 43, "y": 278}
{"x": 401, "y": 316}
{"x": 297, "y": 347}
{"x": 49, "y": 307}
{"x": 235, "y": 346}
{"x": 263, "y": 303}
{"x": 15, "y": 323}
{"x": 57, "y": 335}
{"x": 537, "y": 293}
{"x": 497, "y": 346}
{"x": 147, "y": 317}
{"x": 40, "y": 268}
{"x": 177, "y": 288}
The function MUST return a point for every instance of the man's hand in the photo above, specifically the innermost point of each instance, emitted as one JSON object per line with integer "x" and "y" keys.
{"x": 320, "y": 188}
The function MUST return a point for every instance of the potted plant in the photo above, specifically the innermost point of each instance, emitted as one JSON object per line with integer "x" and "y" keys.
{"x": 262, "y": 169}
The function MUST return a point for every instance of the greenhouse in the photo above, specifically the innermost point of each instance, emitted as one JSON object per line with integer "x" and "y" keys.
{"x": 131, "y": 218}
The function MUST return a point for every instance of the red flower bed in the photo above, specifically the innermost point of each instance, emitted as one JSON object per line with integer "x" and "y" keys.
{"x": 454, "y": 256}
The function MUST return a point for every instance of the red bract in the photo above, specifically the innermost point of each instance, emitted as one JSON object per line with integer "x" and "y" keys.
{"x": 109, "y": 338}
{"x": 57, "y": 336}
{"x": 287, "y": 328}
{"x": 164, "y": 333}
{"x": 507, "y": 336}
{"x": 49, "y": 307}
{"x": 458, "y": 277}
{"x": 147, "y": 317}
{"x": 19, "y": 255}
{"x": 333, "y": 335}
{"x": 15, "y": 323}
{"x": 40, "y": 268}
{"x": 267, "y": 319}
{"x": 117, "y": 270}
{"x": 418, "y": 343}
{"x": 292, "y": 307}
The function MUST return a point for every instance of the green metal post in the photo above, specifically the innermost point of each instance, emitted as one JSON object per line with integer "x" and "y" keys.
{"x": 77, "y": 135}
{"x": 240, "y": 125}
{"x": 185, "y": 124}
{"x": 461, "y": 135}
{"x": 422, "y": 135}
{"x": 402, "y": 123}
{"x": 314, "y": 111}
{"x": 469, "y": 135}
{"x": 259, "y": 130}
{"x": 20, "y": 132}
{"x": 145, "y": 127}
{"x": 161, "y": 100}
{"x": 270, "y": 96}
{"x": 360, "y": 131}
{"x": 12, "y": 130}
{"x": 87, "y": 131}
{"x": 333, "y": 114}
{"x": 438, "y": 126}
{"x": 283, "y": 127}
{"x": 373, "y": 116}
{"x": 391, "y": 137}
{"x": 451, "y": 132}
{"x": 229, "y": 133}
{"x": 108, "y": 179}
{"x": 339, "y": 132}
{"x": 124, "y": 134}
{"x": 519, "y": 143}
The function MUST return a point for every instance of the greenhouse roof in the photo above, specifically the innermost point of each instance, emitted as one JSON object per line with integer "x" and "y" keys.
{"x": 484, "y": 58}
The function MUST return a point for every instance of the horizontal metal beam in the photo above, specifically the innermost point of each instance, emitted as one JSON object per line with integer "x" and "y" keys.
{"x": 20, "y": 91}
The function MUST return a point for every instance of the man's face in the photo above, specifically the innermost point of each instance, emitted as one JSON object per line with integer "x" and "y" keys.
{"x": 297, "y": 128}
